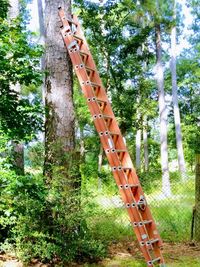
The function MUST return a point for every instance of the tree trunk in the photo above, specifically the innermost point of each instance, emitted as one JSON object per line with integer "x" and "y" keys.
{"x": 138, "y": 137}
{"x": 59, "y": 124}
{"x": 82, "y": 145}
{"x": 17, "y": 148}
{"x": 42, "y": 29}
{"x": 100, "y": 161}
{"x": 13, "y": 9}
{"x": 41, "y": 19}
{"x": 145, "y": 140}
{"x": 197, "y": 199}
{"x": 179, "y": 145}
{"x": 18, "y": 157}
{"x": 42, "y": 41}
{"x": 138, "y": 149}
{"x": 166, "y": 189}
{"x": 62, "y": 162}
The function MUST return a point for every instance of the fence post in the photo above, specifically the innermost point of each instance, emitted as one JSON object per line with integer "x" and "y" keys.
{"x": 197, "y": 199}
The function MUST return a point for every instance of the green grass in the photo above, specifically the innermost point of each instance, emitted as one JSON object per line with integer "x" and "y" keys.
{"x": 111, "y": 225}
{"x": 173, "y": 215}
{"x": 130, "y": 262}
{"x": 174, "y": 221}
{"x": 185, "y": 262}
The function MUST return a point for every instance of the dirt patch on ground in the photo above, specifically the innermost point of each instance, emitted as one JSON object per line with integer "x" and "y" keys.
{"x": 170, "y": 250}
{"x": 125, "y": 249}
{"x": 176, "y": 251}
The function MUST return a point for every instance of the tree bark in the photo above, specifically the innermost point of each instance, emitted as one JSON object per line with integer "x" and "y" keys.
{"x": 41, "y": 19}
{"x": 59, "y": 124}
{"x": 62, "y": 161}
{"x": 166, "y": 189}
{"x": 177, "y": 120}
{"x": 42, "y": 42}
{"x": 42, "y": 29}
{"x": 138, "y": 149}
{"x": 145, "y": 140}
{"x": 82, "y": 145}
{"x": 14, "y": 9}
{"x": 197, "y": 199}
{"x": 17, "y": 148}
{"x": 138, "y": 137}
{"x": 18, "y": 157}
{"x": 100, "y": 161}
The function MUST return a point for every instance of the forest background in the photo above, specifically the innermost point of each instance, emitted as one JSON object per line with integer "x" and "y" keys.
{"x": 55, "y": 180}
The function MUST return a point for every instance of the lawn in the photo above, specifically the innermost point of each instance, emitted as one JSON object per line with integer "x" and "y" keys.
{"x": 173, "y": 215}
{"x": 109, "y": 222}
{"x": 127, "y": 254}
{"x": 175, "y": 254}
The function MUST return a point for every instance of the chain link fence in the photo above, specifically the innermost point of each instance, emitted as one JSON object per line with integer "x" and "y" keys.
{"x": 173, "y": 214}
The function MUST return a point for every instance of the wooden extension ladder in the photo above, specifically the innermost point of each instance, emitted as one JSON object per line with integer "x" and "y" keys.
{"x": 112, "y": 141}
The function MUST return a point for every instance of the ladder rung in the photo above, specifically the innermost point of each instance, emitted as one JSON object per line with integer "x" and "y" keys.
{"x": 114, "y": 134}
{"x": 147, "y": 222}
{"x": 89, "y": 69}
{"x": 121, "y": 168}
{"x": 133, "y": 204}
{"x": 133, "y": 185}
{"x": 120, "y": 150}
{"x": 107, "y": 117}
{"x": 78, "y": 37}
{"x": 101, "y": 101}
{"x": 149, "y": 263}
{"x": 83, "y": 53}
{"x": 142, "y": 223}
{"x": 152, "y": 241}
{"x": 126, "y": 186}
{"x": 69, "y": 20}
{"x": 126, "y": 169}
{"x": 95, "y": 85}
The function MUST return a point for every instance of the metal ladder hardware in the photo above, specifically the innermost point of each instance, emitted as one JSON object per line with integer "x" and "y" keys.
{"x": 112, "y": 141}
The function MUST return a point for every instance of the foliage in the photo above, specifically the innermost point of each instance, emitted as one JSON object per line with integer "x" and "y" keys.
{"x": 54, "y": 222}
{"x": 4, "y": 8}
{"x": 116, "y": 45}
{"x": 19, "y": 60}
{"x": 20, "y": 118}
{"x": 27, "y": 202}
{"x": 34, "y": 156}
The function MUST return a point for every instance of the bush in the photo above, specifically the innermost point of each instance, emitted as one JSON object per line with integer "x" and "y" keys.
{"x": 149, "y": 180}
{"x": 42, "y": 224}
{"x": 34, "y": 156}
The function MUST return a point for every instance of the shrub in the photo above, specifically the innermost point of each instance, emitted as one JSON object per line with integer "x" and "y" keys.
{"x": 42, "y": 223}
